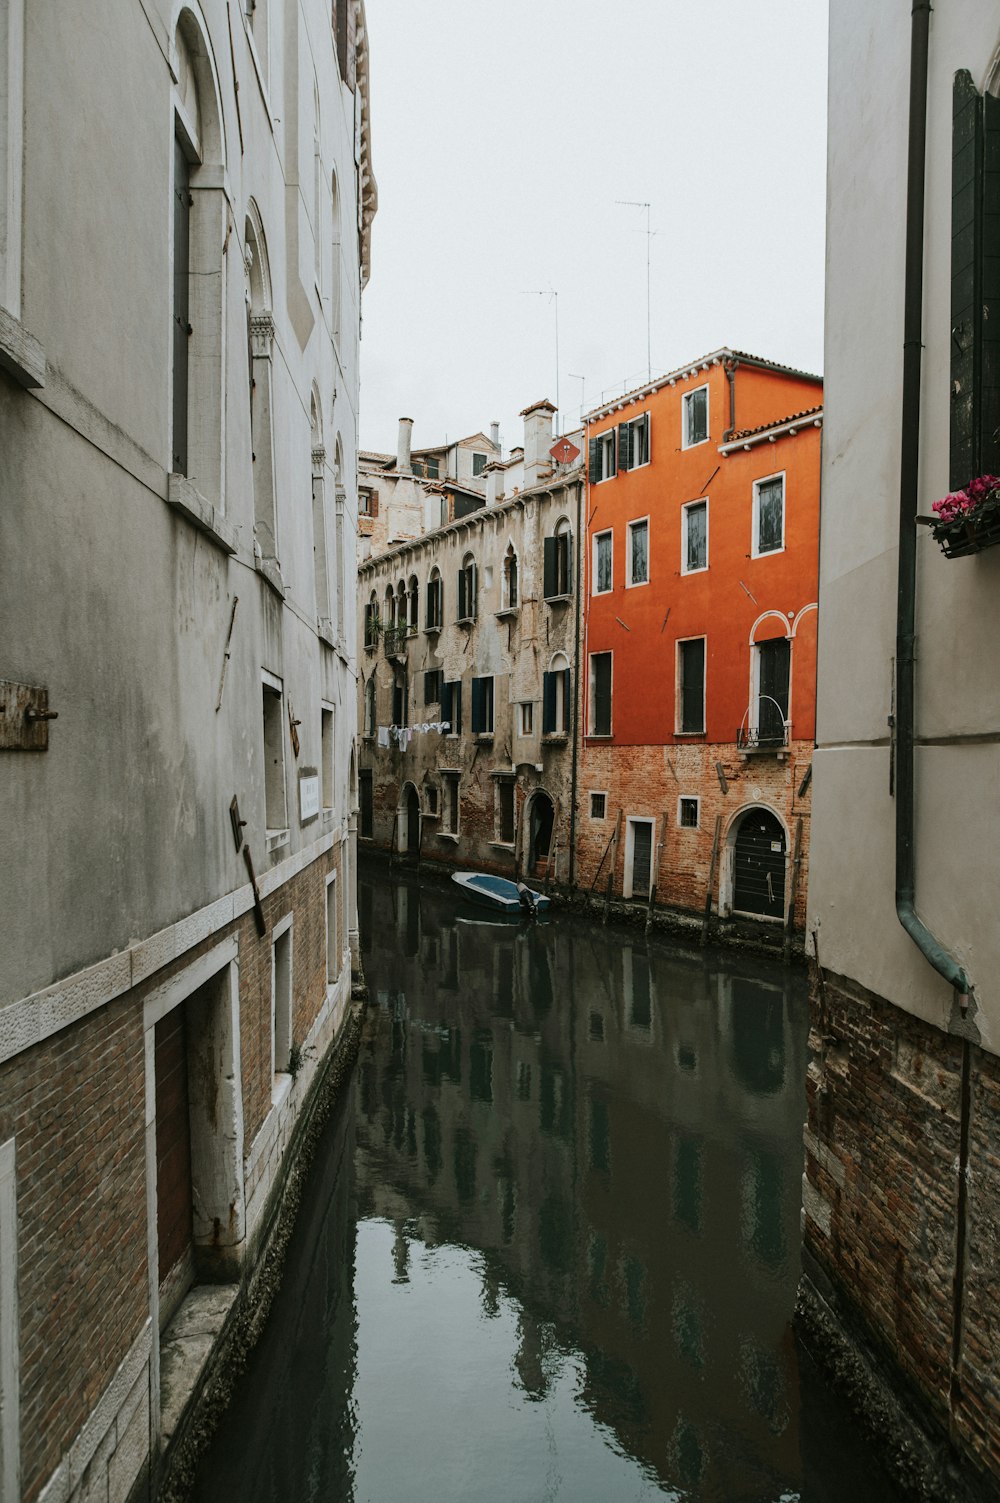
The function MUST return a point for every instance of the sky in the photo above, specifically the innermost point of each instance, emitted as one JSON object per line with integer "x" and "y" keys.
{"x": 504, "y": 134}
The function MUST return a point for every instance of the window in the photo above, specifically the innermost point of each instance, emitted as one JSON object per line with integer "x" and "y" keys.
{"x": 558, "y": 562}
{"x": 433, "y": 679}
{"x": 371, "y": 622}
{"x": 327, "y": 742}
{"x": 691, "y": 686}
{"x": 638, "y": 552}
{"x": 525, "y": 718}
{"x": 449, "y": 781}
{"x": 602, "y": 456}
{"x": 367, "y": 503}
{"x": 505, "y": 810}
{"x": 332, "y": 947}
{"x": 975, "y": 408}
{"x": 694, "y": 537}
{"x": 479, "y": 463}
{"x": 510, "y": 578}
{"x": 275, "y": 816}
{"x": 482, "y": 706}
{"x": 412, "y": 603}
{"x": 451, "y": 705}
{"x": 598, "y": 806}
{"x": 768, "y": 515}
{"x": 321, "y": 578}
{"x": 435, "y": 602}
{"x": 260, "y": 341}
{"x": 633, "y": 443}
{"x": 467, "y": 589}
{"x": 555, "y": 697}
{"x": 431, "y": 799}
{"x": 367, "y": 806}
{"x": 602, "y": 562}
{"x": 600, "y": 693}
{"x": 433, "y": 469}
{"x": 281, "y": 996}
{"x": 687, "y": 813}
{"x": 772, "y": 662}
{"x": 400, "y": 707}
{"x": 370, "y": 707}
{"x": 695, "y": 420}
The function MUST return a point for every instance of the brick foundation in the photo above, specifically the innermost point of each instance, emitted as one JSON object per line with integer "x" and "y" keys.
{"x": 882, "y": 1215}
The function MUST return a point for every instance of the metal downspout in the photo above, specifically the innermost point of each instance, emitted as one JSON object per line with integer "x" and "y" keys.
{"x": 578, "y": 611}
{"x": 918, "y": 931}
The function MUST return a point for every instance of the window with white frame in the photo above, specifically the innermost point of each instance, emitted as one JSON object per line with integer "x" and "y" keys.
{"x": 327, "y": 745}
{"x": 479, "y": 462}
{"x": 275, "y": 815}
{"x": 688, "y": 813}
{"x": 482, "y": 706}
{"x": 504, "y": 812}
{"x": 435, "y": 602}
{"x": 638, "y": 552}
{"x": 598, "y": 806}
{"x": 510, "y": 579}
{"x": 633, "y": 443}
{"x": 768, "y": 515}
{"x": 603, "y": 550}
{"x": 525, "y": 718}
{"x": 281, "y": 995}
{"x": 556, "y": 697}
{"x": 603, "y": 457}
{"x": 600, "y": 693}
{"x": 694, "y": 537}
{"x": 557, "y": 562}
{"x": 450, "y": 788}
{"x": 468, "y": 577}
{"x": 691, "y": 686}
{"x": 332, "y": 946}
{"x": 695, "y": 419}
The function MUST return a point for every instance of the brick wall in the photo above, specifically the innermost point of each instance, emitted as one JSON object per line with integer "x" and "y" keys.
{"x": 882, "y": 1205}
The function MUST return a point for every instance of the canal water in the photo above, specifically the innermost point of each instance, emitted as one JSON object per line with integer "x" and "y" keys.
{"x": 549, "y": 1247}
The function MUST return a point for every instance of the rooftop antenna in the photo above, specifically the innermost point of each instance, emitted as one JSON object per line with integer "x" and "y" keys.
{"x": 583, "y": 386}
{"x": 632, "y": 203}
{"x": 549, "y": 293}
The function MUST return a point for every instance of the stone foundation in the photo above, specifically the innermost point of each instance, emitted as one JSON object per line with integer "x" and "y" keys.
{"x": 901, "y": 1209}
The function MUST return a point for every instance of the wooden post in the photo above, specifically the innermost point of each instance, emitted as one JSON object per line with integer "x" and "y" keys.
{"x": 711, "y": 880}
{"x": 786, "y": 949}
{"x": 553, "y": 845}
{"x": 614, "y": 862}
{"x": 656, "y": 871}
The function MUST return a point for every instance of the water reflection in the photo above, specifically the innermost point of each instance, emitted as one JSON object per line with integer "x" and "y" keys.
{"x": 572, "y": 1222}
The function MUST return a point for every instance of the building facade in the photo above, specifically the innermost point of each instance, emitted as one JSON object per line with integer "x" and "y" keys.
{"x": 403, "y": 495}
{"x": 179, "y": 321}
{"x": 468, "y": 683}
{"x": 903, "y": 1142}
{"x": 698, "y": 713}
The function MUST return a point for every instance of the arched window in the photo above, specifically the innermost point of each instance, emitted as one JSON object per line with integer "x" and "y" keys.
{"x": 435, "y": 601}
{"x": 370, "y": 703}
{"x": 319, "y": 520}
{"x": 510, "y": 578}
{"x": 556, "y": 697}
{"x": 468, "y": 589}
{"x": 371, "y": 622}
{"x": 200, "y": 219}
{"x": 558, "y": 562}
{"x": 401, "y": 607}
{"x": 260, "y": 344}
{"x": 413, "y": 603}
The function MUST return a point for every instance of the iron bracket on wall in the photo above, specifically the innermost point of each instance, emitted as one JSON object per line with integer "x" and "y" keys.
{"x": 24, "y": 717}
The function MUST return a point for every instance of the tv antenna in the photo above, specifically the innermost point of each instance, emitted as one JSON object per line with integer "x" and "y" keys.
{"x": 632, "y": 203}
{"x": 583, "y": 386}
{"x": 549, "y": 293}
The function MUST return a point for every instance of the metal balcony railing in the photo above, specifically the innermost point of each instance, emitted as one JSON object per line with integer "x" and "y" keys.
{"x": 395, "y": 638}
{"x": 764, "y": 727}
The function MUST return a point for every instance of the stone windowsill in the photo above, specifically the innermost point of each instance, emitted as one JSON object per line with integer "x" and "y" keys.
{"x": 447, "y": 835}
{"x": 508, "y": 613}
{"x": 502, "y": 845}
{"x": 558, "y": 599}
{"x": 21, "y": 355}
{"x": 325, "y": 631}
{"x": 432, "y": 631}
{"x": 270, "y": 570}
{"x": 185, "y": 498}
{"x": 555, "y": 738}
{"x": 275, "y": 839}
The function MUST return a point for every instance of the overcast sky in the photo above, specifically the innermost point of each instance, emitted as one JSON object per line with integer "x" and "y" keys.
{"x": 504, "y": 131}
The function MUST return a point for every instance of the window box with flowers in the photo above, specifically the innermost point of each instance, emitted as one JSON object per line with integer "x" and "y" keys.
{"x": 968, "y": 521}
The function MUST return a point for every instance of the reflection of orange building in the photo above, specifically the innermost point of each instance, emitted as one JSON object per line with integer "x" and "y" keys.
{"x": 700, "y": 673}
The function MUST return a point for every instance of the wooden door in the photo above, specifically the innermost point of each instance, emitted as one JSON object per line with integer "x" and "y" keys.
{"x": 760, "y": 865}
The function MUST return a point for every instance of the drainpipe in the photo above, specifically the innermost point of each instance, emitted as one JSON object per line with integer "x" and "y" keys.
{"x": 729, "y": 366}
{"x": 929, "y": 946}
{"x": 578, "y": 612}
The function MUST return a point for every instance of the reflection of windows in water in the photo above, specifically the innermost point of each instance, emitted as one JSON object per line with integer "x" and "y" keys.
{"x": 555, "y": 1233}
{"x": 600, "y": 1137}
{"x": 763, "y": 1383}
{"x": 523, "y": 1081}
{"x": 432, "y": 1143}
{"x": 554, "y": 1103}
{"x": 687, "y": 1059}
{"x": 637, "y": 988}
{"x": 431, "y": 950}
{"x": 540, "y": 981}
{"x": 465, "y": 1164}
{"x": 368, "y": 1095}
{"x": 597, "y": 1028}
{"x": 688, "y": 1328}
{"x": 635, "y": 1276}
{"x": 451, "y": 1055}
{"x": 503, "y": 981}
{"x": 757, "y": 1030}
{"x": 597, "y": 1262}
{"x": 687, "y": 1182}
{"x": 411, "y": 1132}
{"x": 481, "y": 1068}
{"x": 507, "y": 1201}
{"x": 449, "y": 959}
{"x": 763, "y": 1195}
{"x": 430, "y": 1058}
{"x": 687, "y": 1453}
{"x": 366, "y": 915}
{"x": 410, "y": 921}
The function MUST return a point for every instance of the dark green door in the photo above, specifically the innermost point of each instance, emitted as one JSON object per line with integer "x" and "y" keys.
{"x": 760, "y": 865}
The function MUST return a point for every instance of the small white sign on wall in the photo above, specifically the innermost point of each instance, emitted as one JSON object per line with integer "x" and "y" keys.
{"x": 308, "y": 796}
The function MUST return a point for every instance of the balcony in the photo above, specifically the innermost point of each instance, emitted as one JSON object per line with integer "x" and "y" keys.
{"x": 764, "y": 730}
{"x": 394, "y": 639}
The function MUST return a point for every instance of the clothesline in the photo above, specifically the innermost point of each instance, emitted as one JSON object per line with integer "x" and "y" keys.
{"x": 401, "y": 735}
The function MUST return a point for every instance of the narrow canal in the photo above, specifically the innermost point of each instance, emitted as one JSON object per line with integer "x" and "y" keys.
{"x": 549, "y": 1247}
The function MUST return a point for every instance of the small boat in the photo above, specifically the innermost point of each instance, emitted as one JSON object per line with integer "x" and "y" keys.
{"x": 499, "y": 893}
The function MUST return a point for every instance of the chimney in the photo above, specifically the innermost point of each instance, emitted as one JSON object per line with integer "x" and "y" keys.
{"x": 537, "y": 441}
{"x": 495, "y": 436}
{"x": 403, "y": 466}
{"x": 494, "y": 481}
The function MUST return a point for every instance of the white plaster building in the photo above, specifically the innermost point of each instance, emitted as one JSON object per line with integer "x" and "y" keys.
{"x": 186, "y": 197}
{"x": 902, "y": 1188}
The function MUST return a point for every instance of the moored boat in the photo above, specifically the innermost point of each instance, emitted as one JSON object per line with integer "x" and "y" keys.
{"x": 499, "y": 893}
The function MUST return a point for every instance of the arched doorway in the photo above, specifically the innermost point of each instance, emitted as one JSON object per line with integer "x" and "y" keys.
{"x": 540, "y": 833}
{"x": 411, "y": 821}
{"x": 759, "y": 865}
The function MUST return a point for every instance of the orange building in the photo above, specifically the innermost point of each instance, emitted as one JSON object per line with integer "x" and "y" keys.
{"x": 701, "y": 569}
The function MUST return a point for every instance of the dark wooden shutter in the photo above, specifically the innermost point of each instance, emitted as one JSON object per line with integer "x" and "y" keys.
{"x": 456, "y": 707}
{"x": 989, "y": 300}
{"x": 624, "y": 445}
{"x": 693, "y": 685}
{"x": 174, "y": 1194}
{"x": 594, "y": 461}
{"x": 601, "y": 713}
{"x": 566, "y": 700}
{"x": 775, "y": 660}
{"x": 430, "y": 619}
{"x": 965, "y": 172}
{"x": 473, "y": 592}
{"x": 550, "y": 568}
{"x": 461, "y": 595}
{"x": 569, "y": 562}
{"x": 181, "y": 329}
{"x": 548, "y": 703}
{"x": 478, "y": 706}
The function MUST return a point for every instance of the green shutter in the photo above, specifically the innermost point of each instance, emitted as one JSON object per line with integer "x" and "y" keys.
{"x": 548, "y": 703}
{"x": 550, "y": 568}
{"x": 566, "y": 701}
{"x": 965, "y": 325}
{"x": 624, "y": 446}
{"x": 989, "y": 261}
{"x": 461, "y": 595}
{"x": 478, "y": 706}
{"x": 594, "y": 461}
